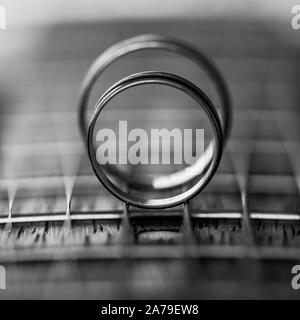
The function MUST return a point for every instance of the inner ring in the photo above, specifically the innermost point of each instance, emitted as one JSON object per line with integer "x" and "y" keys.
{"x": 213, "y": 151}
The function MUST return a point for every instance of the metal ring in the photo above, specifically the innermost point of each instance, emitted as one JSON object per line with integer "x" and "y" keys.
{"x": 193, "y": 91}
{"x": 145, "y": 42}
{"x": 221, "y": 128}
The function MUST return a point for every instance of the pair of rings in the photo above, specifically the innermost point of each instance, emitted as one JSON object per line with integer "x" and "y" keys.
{"x": 205, "y": 167}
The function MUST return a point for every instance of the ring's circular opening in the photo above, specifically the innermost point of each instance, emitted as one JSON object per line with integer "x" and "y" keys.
{"x": 163, "y": 149}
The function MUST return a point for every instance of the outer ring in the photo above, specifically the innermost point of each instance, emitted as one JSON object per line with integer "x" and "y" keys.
{"x": 150, "y": 41}
{"x": 168, "y": 79}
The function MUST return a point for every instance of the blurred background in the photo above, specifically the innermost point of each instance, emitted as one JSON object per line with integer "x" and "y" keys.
{"x": 34, "y": 12}
{"x": 62, "y": 235}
